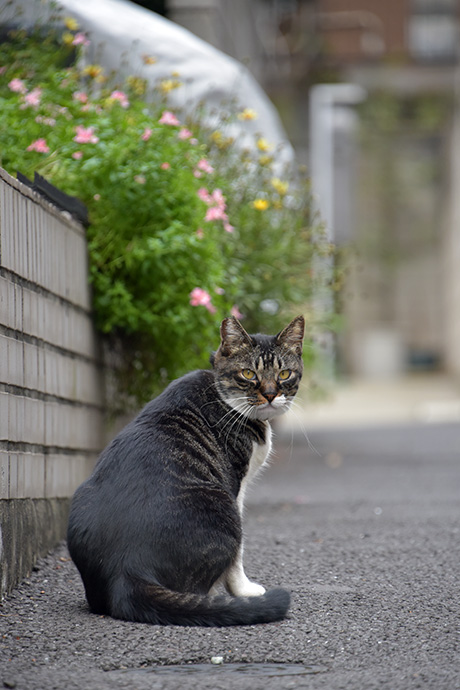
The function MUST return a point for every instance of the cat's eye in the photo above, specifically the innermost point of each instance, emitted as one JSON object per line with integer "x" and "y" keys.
{"x": 248, "y": 374}
{"x": 284, "y": 374}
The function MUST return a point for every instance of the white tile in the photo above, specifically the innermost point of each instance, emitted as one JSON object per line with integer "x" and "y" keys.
{"x": 34, "y": 414}
{"x": 7, "y": 227}
{"x": 16, "y": 488}
{"x": 15, "y": 354}
{"x": 16, "y": 421}
{"x": 4, "y": 301}
{"x": 4, "y": 359}
{"x": 4, "y": 413}
{"x": 41, "y": 368}
{"x": 4, "y": 474}
{"x": 34, "y": 475}
{"x": 30, "y": 312}
{"x": 11, "y": 305}
{"x": 31, "y": 366}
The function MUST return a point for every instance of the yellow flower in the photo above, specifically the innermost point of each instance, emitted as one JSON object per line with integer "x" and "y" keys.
{"x": 168, "y": 85}
{"x": 175, "y": 74}
{"x": 263, "y": 145}
{"x": 260, "y": 204}
{"x": 67, "y": 38}
{"x": 148, "y": 59}
{"x": 217, "y": 136}
{"x": 265, "y": 160}
{"x": 280, "y": 186}
{"x": 71, "y": 23}
{"x": 220, "y": 141}
{"x": 137, "y": 84}
{"x": 247, "y": 114}
{"x": 92, "y": 71}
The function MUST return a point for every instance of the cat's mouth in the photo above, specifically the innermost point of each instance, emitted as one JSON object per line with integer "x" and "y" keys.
{"x": 268, "y": 410}
{"x": 257, "y": 408}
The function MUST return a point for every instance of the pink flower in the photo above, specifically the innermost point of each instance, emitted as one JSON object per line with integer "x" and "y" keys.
{"x": 204, "y": 166}
{"x": 17, "y": 85}
{"x": 80, "y": 40}
{"x": 77, "y": 155}
{"x": 168, "y": 118}
{"x": 199, "y": 297}
{"x": 140, "y": 179}
{"x": 200, "y": 233}
{"x": 33, "y": 97}
{"x": 219, "y": 198}
{"x": 165, "y": 165}
{"x": 184, "y": 133}
{"x": 217, "y": 206}
{"x": 85, "y": 135}
{"x": 205, "y": 195}
{"x": 121, "y": 97}
{"x": 80, "y": 96}
{"x": 234, "y": 311}
{"x": 39, "y": 145}
{"x": 146, "y": 134}
{"x": 215, "y": 213}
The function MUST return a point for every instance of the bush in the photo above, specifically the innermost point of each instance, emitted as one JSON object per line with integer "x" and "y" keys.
{"x": 185, "y": 228}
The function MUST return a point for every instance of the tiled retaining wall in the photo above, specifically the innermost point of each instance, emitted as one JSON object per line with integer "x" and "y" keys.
{"x": 51, "y": 388}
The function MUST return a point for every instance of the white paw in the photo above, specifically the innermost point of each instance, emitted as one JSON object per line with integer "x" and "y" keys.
{"x": 250, "y": 589}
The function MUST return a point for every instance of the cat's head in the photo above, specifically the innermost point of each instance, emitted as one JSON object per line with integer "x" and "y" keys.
{"x": 259, "y": 375}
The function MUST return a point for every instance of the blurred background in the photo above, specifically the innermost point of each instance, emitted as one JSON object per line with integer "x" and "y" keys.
{"x": 368, "y": 94}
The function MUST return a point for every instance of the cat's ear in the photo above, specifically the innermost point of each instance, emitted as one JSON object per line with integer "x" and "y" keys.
{"x": 291, "y": 337}
{"x": 233, "y": 337}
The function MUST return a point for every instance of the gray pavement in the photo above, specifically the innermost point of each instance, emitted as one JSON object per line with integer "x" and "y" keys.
{"x": 362, "y": 526}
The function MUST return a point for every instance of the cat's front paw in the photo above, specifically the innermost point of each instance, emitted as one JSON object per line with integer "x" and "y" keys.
{"x": 255, "y": 590}
{"x": 250, "y": 589}
{"x": 238, "y": 584}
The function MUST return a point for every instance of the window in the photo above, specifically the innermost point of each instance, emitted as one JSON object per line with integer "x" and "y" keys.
{"x": 433, "y": 30}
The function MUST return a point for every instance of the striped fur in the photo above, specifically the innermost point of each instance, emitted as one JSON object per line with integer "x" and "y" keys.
{"x": 157, "y": 526}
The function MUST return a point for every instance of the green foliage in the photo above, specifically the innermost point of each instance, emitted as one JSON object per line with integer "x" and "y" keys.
{"x": 184, "y": 226}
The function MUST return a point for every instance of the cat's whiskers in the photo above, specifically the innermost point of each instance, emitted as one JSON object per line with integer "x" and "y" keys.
{"x": 230, "y": 413}
{"x": 240, "y": 414}
{"x": 295, "y": 404}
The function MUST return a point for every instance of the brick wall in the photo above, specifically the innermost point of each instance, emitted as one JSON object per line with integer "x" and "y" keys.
{"x": 51, "y": 388}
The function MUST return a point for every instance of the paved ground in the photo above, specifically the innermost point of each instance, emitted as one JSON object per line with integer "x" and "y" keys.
{"x": 365, "y": 532}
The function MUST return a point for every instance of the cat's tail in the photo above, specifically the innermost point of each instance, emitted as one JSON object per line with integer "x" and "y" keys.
{"x": 152, "y": 603}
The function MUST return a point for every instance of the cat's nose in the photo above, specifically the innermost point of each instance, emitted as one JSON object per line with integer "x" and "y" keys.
{"x": 269, "y": 396}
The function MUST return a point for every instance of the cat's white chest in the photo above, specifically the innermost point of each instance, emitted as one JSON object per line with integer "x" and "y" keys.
{"x": 259, "y": 458}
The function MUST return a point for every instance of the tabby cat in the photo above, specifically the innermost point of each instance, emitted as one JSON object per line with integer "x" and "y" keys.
{"x": 157, "y": 527}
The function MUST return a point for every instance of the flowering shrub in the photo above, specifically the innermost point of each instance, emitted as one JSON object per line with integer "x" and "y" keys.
{"x": 185, "y": 228}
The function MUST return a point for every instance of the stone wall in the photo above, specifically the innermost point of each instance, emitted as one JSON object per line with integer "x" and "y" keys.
{"x": 51, "y": 388}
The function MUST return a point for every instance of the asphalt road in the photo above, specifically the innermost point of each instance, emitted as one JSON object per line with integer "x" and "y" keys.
{"x": 364, "y": 530}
